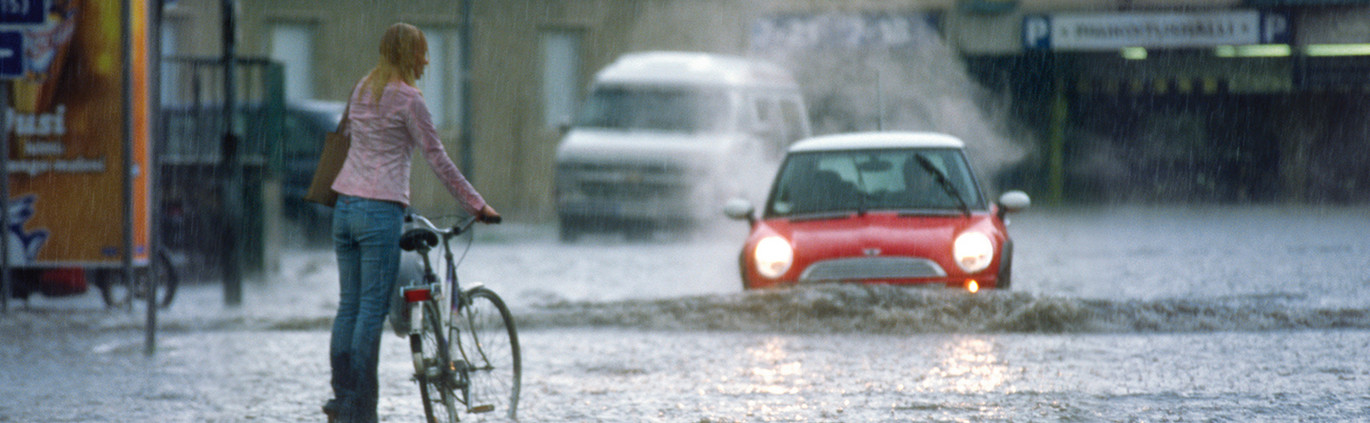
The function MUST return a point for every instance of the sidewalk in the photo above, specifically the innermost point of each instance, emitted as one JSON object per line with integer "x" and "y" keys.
{"x": 303, "y": 296}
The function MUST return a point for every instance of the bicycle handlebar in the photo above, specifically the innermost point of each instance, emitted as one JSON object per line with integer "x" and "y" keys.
{"x": 465, "y": 225}
{"x": 456, "y": 229}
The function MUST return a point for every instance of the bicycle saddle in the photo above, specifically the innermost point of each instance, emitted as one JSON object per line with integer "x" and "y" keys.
{"x": 416, "y": 239}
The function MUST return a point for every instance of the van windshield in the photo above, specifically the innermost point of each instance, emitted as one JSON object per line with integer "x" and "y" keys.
{"x": 689, "y": 110}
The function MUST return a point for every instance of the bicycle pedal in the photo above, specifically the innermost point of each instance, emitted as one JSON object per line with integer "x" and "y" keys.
{"x": 482, "y": 408}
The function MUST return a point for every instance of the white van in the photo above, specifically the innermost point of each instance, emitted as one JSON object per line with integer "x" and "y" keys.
{"x": 666, "y": 138}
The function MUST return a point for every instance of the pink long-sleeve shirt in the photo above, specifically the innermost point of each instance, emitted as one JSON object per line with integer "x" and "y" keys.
{"x": 383, "y": 137}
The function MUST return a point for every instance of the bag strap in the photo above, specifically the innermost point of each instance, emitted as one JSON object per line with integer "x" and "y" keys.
{"x": 342, "y": 124}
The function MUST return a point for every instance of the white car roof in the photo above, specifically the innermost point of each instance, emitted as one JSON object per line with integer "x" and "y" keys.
{"x": 674, "y": 67}
{"x": 877, "y": 140}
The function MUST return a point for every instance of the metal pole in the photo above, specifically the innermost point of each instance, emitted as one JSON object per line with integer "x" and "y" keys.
{"x": 126, "y": 148}
{"x": 879, "y": 100}
{"x": 5, "y": 198}
{"x": 233, "y": 185}
{"x": 1056, "y": 140}
{"x": 154, "y": 101}
{"x": 464, "y": 137}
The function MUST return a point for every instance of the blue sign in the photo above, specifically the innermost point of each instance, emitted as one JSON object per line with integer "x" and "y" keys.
{"x": 11, "y": 54}
{"x": 1275, "y": 28}
{"x": 23, "y": 12}
{"x": 1037, "y": 32}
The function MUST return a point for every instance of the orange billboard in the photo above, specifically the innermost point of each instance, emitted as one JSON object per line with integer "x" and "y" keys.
{"x": 66, "y": 128}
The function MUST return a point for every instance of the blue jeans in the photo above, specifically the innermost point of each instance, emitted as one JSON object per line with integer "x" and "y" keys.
{"x": 366, "y": 234}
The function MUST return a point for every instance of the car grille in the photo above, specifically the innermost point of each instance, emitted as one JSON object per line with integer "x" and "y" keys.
{"x": 863, "y": 268}
{"x": 655, "y": 168}
{"x": 628, "y": 182}
{"x": 631, "y": 191}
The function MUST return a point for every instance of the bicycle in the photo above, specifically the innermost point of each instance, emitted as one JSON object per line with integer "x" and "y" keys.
{"x": 465, "y": 347}
{"x": 117, "y": 292}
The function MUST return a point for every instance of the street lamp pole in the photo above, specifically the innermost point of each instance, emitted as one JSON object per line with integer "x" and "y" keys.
{"x": 5, "y": 201}
{"x": 233, "y": 183}
{"x": 464, "y": 137}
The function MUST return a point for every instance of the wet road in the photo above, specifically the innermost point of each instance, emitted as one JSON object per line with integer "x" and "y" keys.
{"x": 1118, "y": 314}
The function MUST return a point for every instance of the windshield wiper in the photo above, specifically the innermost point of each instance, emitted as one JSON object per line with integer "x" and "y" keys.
{"x": 945, "y": 182}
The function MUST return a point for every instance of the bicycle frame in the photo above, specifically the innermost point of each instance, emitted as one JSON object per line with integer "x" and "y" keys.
{"x": 448, "y": 328}
{"x": 432, "y": 289}
{"x": 439, "y": 291}
{"x": 446, "y": 295}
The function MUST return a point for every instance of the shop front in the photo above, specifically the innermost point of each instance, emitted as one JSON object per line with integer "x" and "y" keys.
{"x": 1216, "y": 105}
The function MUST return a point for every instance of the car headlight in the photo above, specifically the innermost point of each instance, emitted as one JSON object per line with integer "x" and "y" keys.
{"x": 973, "y": 251}
{"x": 774, "y": 255}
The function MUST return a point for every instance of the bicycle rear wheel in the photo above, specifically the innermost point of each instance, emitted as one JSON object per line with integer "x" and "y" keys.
{"x": 117, "y": 292}
{"x": 434, "y": 368}
{"x": 489, "y": 343}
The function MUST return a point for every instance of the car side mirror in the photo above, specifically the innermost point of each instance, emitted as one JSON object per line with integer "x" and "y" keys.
{"x": 740, "y": 209}
{"x": 1013, "y": 202}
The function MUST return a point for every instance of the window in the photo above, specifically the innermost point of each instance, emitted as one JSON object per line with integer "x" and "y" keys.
{"x": 780, "y": 120}
{"x": 441, "y": 82}
{"x": 661, "y": 109}
{"x": 170, "y": 74}
{"x": 794, "y": 121}
{"x": 560, "y": 75}
{"x": 292, "y": 44}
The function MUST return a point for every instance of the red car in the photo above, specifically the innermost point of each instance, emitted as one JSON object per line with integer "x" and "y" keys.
{"x": 881, "y": 207}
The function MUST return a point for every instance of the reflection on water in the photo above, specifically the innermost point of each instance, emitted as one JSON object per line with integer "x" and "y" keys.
{"x": 772, "y": 371}
{"x": 772, "y": 380}
{"x": 784, "y": 376}
{"x": 968, "y": 366}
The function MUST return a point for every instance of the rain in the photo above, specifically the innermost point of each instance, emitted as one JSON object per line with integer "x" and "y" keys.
{"x": 1194, "y": 250}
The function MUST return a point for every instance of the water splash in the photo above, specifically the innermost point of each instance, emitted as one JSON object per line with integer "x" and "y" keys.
{"x": 897, "y": 310}
{"x": 864, "y": 72}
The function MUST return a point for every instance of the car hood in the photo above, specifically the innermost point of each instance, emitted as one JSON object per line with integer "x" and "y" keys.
{"x": 877, "y": 234}
{"x": 598, "y": 146}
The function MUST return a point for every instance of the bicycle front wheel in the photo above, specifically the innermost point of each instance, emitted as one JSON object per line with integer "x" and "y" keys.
{"x": 167, "y": 280}
{"x": 489, "y": 343}
{"x": 117, "y": 292}
{"x": 434, "y": 369}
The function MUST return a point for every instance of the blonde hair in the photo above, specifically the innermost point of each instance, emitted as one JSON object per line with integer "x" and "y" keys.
{"x": 402, "y": 48}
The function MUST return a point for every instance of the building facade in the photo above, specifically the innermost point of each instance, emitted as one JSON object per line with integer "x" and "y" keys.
{"x": 1088, "y": 100}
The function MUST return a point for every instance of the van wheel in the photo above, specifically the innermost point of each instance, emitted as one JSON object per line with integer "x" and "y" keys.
{"x": 638, "y": 232}
{"x": 568, "y": 232}
{"x": 571, "y": 227}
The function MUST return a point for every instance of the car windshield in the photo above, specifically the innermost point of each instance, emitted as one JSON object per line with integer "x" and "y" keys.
{"x": 865, "y": 180}
{"x": 688, "y": 110}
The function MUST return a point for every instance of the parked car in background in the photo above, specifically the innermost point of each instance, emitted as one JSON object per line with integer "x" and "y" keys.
{"x": 304, "y": 127}
{"x": 665, "y": 138}
{"x": 191, "y": 165}
{"x": 881, "y": 207}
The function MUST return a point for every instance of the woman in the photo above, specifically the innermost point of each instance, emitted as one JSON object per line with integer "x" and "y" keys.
{"x": 387, "y": 119}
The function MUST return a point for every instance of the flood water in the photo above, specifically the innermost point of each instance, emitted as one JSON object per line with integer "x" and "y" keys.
{"x": 1117, "y": 314}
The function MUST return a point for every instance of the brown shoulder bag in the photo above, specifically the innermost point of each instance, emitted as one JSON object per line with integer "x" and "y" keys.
{"x": 335, "y": 146}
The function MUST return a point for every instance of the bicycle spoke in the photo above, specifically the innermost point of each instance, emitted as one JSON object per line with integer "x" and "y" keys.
{"x": 489, "y": 343}
{"x": 471, "y": 363}
{"x": 435, "y": 374}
